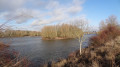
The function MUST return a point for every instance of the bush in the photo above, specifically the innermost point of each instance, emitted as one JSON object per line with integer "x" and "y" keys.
{"x": 3, "y": 46}
{"x": 10, "y": 58}
{"x": 109, "y": 32}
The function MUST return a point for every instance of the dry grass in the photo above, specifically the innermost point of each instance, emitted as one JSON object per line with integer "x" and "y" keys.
{"x": 3, "y": 46}
{"x": 10, "y": 58}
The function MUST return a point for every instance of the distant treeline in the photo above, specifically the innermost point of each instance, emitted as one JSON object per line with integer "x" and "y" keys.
{"x": 18, "y": 33}
{"x": 60, "y": 31}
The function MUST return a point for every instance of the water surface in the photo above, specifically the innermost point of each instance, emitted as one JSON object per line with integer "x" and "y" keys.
{"x": 40, "y": 51}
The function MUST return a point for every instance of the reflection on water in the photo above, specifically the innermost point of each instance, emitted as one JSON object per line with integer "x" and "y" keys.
{"x": 40, "y": 51}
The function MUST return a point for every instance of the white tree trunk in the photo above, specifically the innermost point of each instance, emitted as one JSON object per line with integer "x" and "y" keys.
{"x": 80, "y": 48}
{"x": 80, "y": 41}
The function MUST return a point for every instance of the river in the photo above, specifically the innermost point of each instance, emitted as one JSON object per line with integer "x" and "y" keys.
{"x": 40, "y": 51}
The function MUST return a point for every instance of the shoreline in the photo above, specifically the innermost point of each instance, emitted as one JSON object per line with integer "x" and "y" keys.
{"x": 19, "y": 36}
{"x": 100, "y": 53}
{"x": 57, "y": 38}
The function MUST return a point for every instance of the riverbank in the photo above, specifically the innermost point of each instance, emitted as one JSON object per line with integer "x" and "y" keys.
{"x": 3, "y": 46}
{"x": 18, "y": 37}
{"x": 18, "y": 33}
{"x": 10, "y": 58}
{"x": 56, "y": 38}
{"x": 63, "y": 38}
{"x": 107, "y": 55}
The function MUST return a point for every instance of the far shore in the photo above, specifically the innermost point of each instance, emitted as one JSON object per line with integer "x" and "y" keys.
{"x": 19, "y": 36}
{"x": 60, "y": 38}
{"x": 56, "y": 38}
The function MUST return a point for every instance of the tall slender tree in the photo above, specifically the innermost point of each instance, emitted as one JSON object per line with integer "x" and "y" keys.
{"x": 81, "y": 28}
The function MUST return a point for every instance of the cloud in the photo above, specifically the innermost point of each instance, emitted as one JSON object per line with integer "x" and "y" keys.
{"x": 20, "y": 15}
{"x": 74, "y": 9}
{"x": 7, "y": 5}
{"x": 59, "y": 12}
{"x": 42, "y": 11}
{"x": 52, "y": 4}
{"x": 13, "y": 9}
{"x": 50, "y": 20}
{"x": 78, "y": 2}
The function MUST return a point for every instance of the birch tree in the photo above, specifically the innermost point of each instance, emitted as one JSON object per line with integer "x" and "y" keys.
{"x": 82, "y": 27}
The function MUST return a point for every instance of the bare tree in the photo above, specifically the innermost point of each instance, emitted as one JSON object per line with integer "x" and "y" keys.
{"x": 79, "y": 32}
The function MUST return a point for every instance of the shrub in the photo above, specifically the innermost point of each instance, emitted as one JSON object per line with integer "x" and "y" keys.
{"x": 10, "y": 58}
{"x": 109, "y": 32}
{"x": 3, "y": 46}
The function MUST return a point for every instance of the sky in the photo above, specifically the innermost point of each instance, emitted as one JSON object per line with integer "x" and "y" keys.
{"x": 34, "y": 14}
